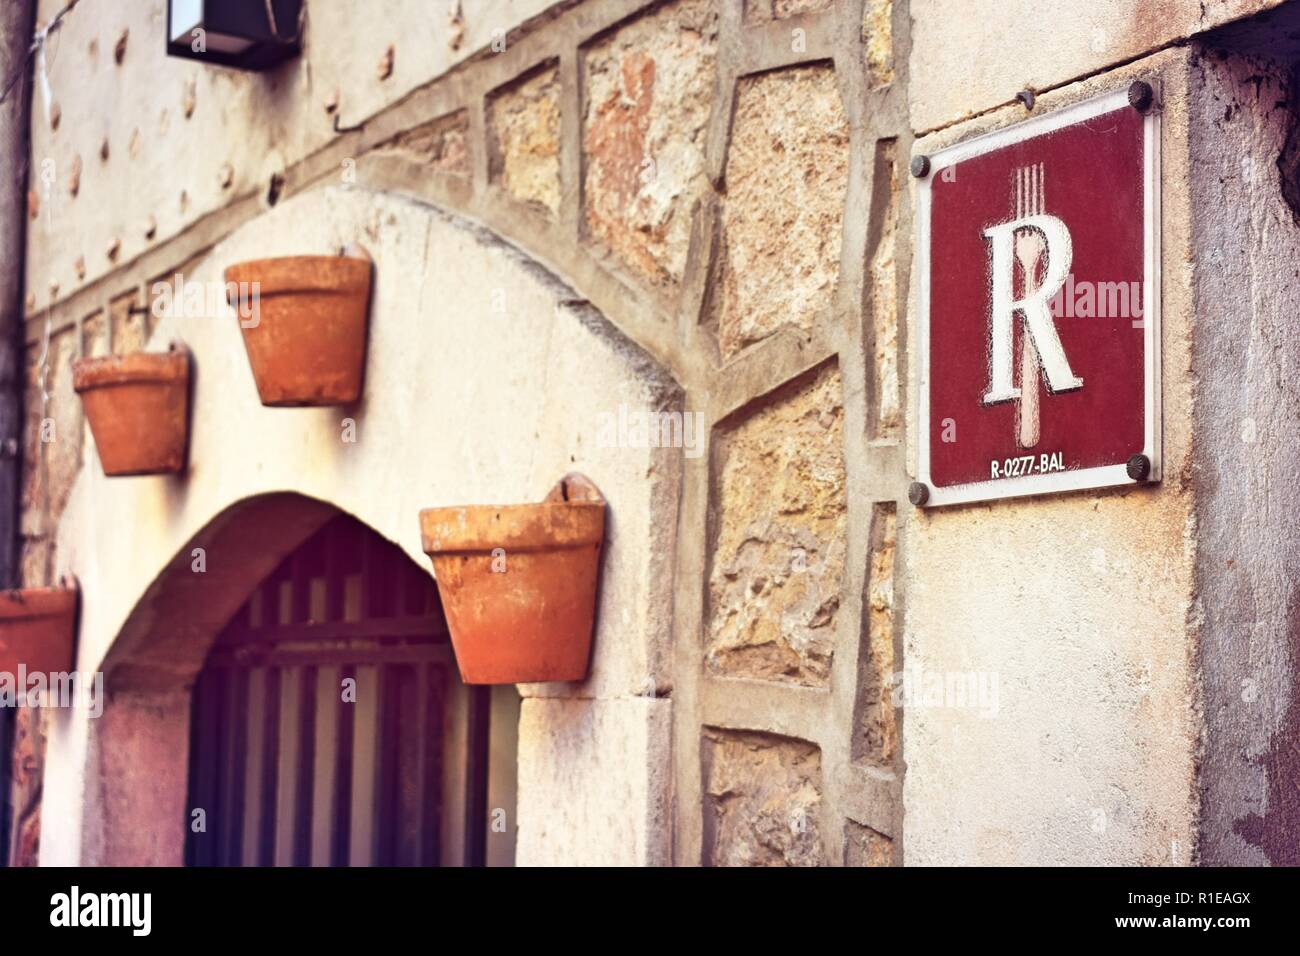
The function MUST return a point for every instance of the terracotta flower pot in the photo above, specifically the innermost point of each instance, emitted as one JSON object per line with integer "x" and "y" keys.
{"x": 138, "y": 409}
{"x": 306, "y": 334}
{"x": 37, "y": 627}
{"x": 518, "y": 583}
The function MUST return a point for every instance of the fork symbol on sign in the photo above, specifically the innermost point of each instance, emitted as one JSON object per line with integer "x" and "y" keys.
{"x": 1029, "y": 249}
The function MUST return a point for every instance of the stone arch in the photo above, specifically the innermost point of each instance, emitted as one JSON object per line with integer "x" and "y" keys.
{"x": 474, "y": 393}
{"x": 138, "y": 752}
{"x": 167, "y": 635}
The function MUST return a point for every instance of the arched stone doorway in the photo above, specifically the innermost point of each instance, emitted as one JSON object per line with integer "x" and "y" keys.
{"x": 210, "y": 708}
{"x": 328, "y": 726}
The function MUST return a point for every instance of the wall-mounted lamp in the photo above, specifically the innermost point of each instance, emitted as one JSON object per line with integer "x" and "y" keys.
{"x": 244, "y": 34}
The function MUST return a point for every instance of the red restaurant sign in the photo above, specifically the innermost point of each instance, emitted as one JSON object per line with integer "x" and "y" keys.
{"x": 1039, "y": 304}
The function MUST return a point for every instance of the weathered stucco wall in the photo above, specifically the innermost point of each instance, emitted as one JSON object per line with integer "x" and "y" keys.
{"x": 1079, "y": 606}
{"x": 1245, "y": 243}
{"x": 137, "y": 146}
{"x": 1147, "y": 638}
{"x": 482, "y": 391}
{"x": 970, "y": 57}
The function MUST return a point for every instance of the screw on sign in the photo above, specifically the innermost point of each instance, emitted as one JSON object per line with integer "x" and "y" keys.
{"x": 1039, "y": 305}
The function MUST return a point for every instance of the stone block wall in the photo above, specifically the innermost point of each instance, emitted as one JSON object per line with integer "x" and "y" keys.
{"x": 725, "y": 182}
{"x": 719, "y": 183}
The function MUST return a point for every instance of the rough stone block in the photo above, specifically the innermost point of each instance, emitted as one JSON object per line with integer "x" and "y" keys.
{"x": 876, "y": 735}
{"x": 778, "y": 549}
{"x": 863, "y": 846}
{"x": 442, "y": 144}
{"x": 763, "y": 11}
{"x": 524, "y": 134}
{"x": 786, "y": 175}
{"x": 878, "y": 37}
{"x": 762, "y": 800}
{"x": 649, "y": 91}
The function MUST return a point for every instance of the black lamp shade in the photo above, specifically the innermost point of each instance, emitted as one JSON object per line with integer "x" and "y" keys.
{"x": 244, "y": 34}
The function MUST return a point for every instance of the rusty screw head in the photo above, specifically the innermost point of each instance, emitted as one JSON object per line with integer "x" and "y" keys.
{"x": 920, "y": 166}
{"x": 918, "y": 493}
{"x": 1139, "y": 467}
{"x": 1140, "y": 95}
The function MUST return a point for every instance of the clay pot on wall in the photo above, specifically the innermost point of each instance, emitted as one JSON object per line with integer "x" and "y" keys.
{"x": 518, "y": 583}
{"x": 138, "y": 409}
{"x": 37, "y": 629}
{"x": 304, "y": 322}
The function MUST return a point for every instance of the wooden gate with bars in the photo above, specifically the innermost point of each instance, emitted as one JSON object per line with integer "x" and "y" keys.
{"x": 329, "y": 726}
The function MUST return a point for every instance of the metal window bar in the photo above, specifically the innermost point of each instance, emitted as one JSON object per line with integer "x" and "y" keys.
{"x": 480, "y": 713}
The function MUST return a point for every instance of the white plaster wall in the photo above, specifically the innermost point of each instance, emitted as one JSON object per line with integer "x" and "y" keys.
{"x": 1081, "y": 605}
{"x": 464, "y": 403}
{"x": 254, "y": 122}
{"x": 969, "y": 56}
{"x": 567, "y": 748}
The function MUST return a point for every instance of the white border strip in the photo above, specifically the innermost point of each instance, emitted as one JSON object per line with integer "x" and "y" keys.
{"x": 1098, "y": 477}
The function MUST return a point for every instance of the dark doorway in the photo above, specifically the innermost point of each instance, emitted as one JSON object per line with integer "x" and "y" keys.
{"x": 329, "y": 726}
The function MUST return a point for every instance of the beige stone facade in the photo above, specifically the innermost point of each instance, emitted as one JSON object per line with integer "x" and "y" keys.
{"x": 697, "y": 207}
